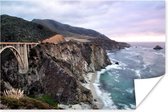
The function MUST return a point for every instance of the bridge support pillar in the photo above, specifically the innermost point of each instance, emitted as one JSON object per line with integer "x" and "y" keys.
{"x": 23, "y": 52}
{"x": 20, "y": 51}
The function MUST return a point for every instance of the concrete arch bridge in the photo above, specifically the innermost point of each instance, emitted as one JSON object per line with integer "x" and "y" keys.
{"x": 20, "y": 50}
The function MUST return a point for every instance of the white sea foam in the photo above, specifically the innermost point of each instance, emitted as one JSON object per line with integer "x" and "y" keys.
{"x": 116, "y": 80}
{"x": 132, "y": 106}
{"x": 132, "y": 53}
{"x": 138, "y": 73}
{"x": 145, "y": 48}
{"x": 117, "y": 75}
{"x": 127, "y": 107}
{"x": 127, "y": 48}
{"x": 109, "y": 67}
{"x": 122, "y": 64}
{"x": 138, "y": 60}
{"x": 113, "y": 66}
{"x": 130, "y": 90}
{"x": 103, "y": 95}
{"x": 159, "y": 53}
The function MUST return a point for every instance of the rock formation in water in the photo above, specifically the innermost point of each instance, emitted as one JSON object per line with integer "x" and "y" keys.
{"x": 157, "y": 47}
{"x": 56, "y": 70}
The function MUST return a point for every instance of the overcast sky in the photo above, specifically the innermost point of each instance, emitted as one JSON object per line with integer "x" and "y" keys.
{"x": 121, "y": 21}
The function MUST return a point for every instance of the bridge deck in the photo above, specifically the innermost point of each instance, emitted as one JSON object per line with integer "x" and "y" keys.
{"x": 12, "y": 43}
{"x": 20, "y": 50}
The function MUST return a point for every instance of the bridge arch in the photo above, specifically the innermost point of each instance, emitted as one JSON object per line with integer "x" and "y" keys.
{"x": 17, "y": 55}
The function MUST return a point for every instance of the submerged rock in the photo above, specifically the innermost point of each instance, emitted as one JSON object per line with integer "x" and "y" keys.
{"x": 117, "y": 63}
{"x": 157, "y": 47}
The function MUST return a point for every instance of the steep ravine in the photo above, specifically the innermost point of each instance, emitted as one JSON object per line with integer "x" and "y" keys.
{"x": 57, "y": 70}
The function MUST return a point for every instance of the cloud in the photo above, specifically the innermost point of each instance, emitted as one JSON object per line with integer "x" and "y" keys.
{"x": 112, "y": 18}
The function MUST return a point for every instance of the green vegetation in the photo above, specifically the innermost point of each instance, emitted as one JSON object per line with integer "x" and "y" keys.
{"x": 69, "y": 31}
{"x": 24, "y": 103}
{"x": 49, "y": 100}
{"x": 15, "y": 29}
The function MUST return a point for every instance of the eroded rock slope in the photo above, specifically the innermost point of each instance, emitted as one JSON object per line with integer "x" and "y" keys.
{"x": 57, "y": 70}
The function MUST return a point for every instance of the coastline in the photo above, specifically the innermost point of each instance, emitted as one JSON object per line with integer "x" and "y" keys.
{"x": 97, "y": 101}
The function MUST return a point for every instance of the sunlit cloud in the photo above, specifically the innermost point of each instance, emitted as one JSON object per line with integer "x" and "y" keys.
{"x": 116, "y": 19}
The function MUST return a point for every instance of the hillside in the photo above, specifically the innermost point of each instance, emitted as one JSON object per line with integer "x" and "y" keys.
{"x": 81, "y": 34}
{"x": 68, "y": 30}
{"x": 14, "y": 29}
{"x": 18, "y": 29}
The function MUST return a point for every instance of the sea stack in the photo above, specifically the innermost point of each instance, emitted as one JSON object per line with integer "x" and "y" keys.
{"x": 157, "y": 47}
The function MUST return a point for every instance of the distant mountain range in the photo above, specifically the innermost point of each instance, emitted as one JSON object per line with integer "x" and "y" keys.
{"x": 14, "y": 29}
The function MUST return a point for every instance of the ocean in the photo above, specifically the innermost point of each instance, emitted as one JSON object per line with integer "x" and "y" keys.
{"x": 115, "y": 84}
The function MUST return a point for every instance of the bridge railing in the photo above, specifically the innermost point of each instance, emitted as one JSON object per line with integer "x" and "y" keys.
{"x": 17, "y": 44}
{"x": 21, "y": 50}
{"x": 12, "y": 43}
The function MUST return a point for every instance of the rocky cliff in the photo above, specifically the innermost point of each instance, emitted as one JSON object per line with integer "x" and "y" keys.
{"x": 56, "y": 70}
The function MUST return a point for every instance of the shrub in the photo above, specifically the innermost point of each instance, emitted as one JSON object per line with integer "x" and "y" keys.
{"x": 49, "y": 100}
{"x": 14, "y": 93}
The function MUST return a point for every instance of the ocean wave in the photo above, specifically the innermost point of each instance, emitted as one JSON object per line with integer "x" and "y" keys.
{"x": 102, "y": 94}
{"x": 132, "y": 106}
{"x": 105, "y": 97}
{"x": 138, "y": 73}
{"x": 134, "y": 62}
{"x": 116, "y": 80}
{"x": 128, "y": 48}
{"x": 159, "y": 53}
{"x": 127, "y": 107}
{"x": 146, "y": 48}
{"x": 113, "y": 66}
{"x": 130, "y": 90}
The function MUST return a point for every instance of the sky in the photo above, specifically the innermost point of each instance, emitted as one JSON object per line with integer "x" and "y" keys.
{"x": 128, "y": 21}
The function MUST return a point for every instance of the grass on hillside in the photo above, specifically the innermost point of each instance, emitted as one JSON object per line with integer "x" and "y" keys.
{"x": 27, "y": 103}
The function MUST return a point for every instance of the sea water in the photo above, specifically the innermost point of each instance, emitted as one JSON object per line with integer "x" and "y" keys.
{"x": 115, "y": 84}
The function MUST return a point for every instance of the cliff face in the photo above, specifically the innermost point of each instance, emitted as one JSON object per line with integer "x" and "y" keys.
{"x": 109, "y": 44}
{"x": 56, "y": 70}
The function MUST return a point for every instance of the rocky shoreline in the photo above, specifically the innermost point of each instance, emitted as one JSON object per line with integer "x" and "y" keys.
{"x": 57, "y": 70}
{"x": 61, "y": 73}
{"x": 97, "y": 102}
